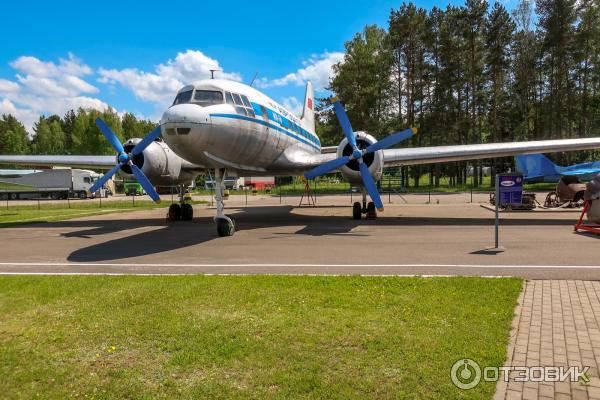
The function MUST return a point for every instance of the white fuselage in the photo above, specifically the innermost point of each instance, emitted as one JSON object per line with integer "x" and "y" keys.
{"x": 226, "y": 124}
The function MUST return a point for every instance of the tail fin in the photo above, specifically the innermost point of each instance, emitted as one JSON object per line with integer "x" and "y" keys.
{"x": 536, "y": 165}
{"x": 308, "y": 113}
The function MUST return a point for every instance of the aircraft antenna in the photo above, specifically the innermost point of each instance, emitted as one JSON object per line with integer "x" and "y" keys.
{"x": 255, "y": 75}
{"x": 212, "y": 73}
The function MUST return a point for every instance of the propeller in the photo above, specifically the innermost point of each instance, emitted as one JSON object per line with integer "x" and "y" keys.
{"x": 126, "y": 158}
{"x": 358, "y": 154}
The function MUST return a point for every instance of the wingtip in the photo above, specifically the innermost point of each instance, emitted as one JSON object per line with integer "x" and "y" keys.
{"x": 380, "y": 209}
{"x": 415, "y": 130}
{"x": 334, "y": 99}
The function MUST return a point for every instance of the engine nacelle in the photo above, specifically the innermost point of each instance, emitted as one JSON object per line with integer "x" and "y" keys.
{"x": 374, "y": 161}
{"x": 158, "y": 162}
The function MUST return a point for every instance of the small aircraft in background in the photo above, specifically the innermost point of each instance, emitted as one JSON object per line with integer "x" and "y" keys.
{"x": 227, "y": 128}
{"x": 539, "y": 168}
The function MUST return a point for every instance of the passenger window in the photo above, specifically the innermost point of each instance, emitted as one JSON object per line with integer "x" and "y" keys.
{"x": 228, "y": 98}
{"x": 183, "y": 97}
{"x": 208, "y": 97}
{"x": 237, "y": 99}
{"x": 246, "y": 101}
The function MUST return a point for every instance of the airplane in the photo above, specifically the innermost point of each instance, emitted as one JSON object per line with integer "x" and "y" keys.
{"x": 228, "y": 128}
{"x": 539, "y": 168}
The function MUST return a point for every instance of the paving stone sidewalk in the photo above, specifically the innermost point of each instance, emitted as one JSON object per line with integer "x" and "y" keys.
{"x": 556, "y": 324}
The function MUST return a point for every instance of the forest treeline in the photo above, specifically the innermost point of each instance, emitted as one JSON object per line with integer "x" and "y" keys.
{"x": 475, "y": 73}
{"x": 74, "y": 133}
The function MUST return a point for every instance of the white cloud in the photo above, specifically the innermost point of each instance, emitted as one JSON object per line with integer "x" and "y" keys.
{"x": 293, "y": 104}
{"x": 318, "y": 70}
{"x": 46, "y": 87}
{"x": 8, "y": 86}
{"x": 26, "y": 116}
{"x": 161, "y": 85}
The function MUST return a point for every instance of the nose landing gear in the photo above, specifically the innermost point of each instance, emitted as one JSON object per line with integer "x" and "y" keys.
{"x": 225, "y": 225}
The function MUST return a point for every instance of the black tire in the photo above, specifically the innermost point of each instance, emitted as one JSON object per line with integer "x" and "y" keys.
{"x": 371, "y": 207}
{"x": 187, "y": 212}
{"x": 82, "y": 195}
{"x": 14, "y": 196}
{"x": 224, "y": 227}
{"x": 356, "y": 211}
{"x": 174, "y": 212}
{"x": 54, "y": 196}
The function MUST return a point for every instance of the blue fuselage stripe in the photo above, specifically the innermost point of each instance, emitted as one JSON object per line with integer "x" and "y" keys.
{"x": 267, "y": 124}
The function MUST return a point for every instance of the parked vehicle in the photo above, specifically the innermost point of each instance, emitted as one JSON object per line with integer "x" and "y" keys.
{"x": 133, "y": 189}
{"x": 48, "y": 184}
{"x": 230, "y": 182}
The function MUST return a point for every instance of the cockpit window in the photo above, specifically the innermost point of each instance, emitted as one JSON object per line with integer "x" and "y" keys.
{"x": 246, "y": 102}
{"x": 208, "y": 97}
{"x": 183, "y": 97}
{"x": 228, "y": 98}
{"x": 237, "y": 99}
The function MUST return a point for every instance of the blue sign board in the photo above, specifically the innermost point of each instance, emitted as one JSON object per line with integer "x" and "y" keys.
{"x": 511, "y": 189}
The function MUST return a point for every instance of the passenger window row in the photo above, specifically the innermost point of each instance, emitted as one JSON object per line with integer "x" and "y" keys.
{"x": 241, "y": 103}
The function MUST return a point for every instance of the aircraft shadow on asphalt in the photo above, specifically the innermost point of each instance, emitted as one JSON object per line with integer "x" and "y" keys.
{"x": 147, "y": 236}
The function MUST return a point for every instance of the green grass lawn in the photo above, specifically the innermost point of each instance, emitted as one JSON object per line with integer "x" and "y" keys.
{"x": 197, "y": 337}
{"x": 329, "y": 186}
{"x": 17, "y": 214}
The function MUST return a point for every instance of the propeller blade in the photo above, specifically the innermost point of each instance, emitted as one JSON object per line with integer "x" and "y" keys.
{"x": 370, "y": 185}
{"x": 344, "y": 122}
{"x": 146, "y": 141}
{"x": 391, "y": 140}
{"x": 100, "y": 182}
{"x": 141, "y": 178}
{"x": 327, "y": 167}
{"x": 110, "y": 136}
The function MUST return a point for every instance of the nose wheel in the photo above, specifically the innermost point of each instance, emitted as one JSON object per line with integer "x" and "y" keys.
{"x": 225, "y": 226}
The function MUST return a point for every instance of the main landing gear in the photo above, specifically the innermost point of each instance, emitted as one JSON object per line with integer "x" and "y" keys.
{"x": 182, "y": 211}
{"x": 225, "y": 225}
{"x": 368, "y": 209}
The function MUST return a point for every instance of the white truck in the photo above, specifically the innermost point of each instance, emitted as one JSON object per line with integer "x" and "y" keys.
{"x": 48, "y": 184}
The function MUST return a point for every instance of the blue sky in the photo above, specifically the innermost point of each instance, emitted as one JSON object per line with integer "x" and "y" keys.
{"x": 133, "y": 55}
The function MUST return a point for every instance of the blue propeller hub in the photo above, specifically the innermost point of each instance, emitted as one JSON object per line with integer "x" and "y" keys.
{"x": 124, "y": 158}
{"x": 357, "y": 154}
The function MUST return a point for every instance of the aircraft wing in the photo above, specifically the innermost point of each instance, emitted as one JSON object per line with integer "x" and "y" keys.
{"x": 580, "y": 171}
{"x": 95, "y": 162}
{"x": 427, "y": 155}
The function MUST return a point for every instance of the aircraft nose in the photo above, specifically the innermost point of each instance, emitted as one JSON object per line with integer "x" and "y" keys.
{"x": 185, "y": 113}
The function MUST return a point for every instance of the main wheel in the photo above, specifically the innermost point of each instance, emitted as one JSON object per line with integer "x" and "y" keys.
{"x": 356, "y": 210}
{"x": 174, "y": 212}
{"x": 187, "y": 212}
{"x": 371, "y": 207}
{"x": 371, "y": 211}
{"x": 224, "y": 227}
